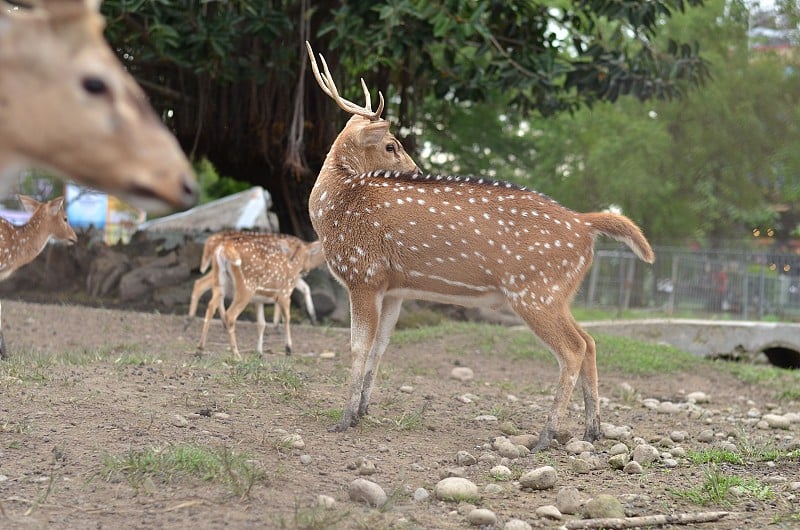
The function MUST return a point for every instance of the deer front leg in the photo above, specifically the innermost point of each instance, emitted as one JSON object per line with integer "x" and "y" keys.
{"x": 213, "y": 304}
{"x": 363, "y": 327}
{"x": 591, "y": 397}
{"x": 261, "y": 325}
{"x": 390, "y": 311}
{"x": 229, "y": 319}
{"x": 283, "y": 304}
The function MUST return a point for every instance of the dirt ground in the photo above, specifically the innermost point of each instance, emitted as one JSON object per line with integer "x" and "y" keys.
{"x": 88, "y": 386}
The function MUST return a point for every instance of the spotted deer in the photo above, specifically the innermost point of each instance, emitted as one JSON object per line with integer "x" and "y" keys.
{"x": 68, "y": 105}
{"x": 19, "y": 245}
{"x": 206, "y": 282}
{"x": 392, "y": 233}
{"x": 258, "y": 268}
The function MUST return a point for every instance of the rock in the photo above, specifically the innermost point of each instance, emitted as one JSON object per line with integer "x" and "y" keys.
{"x": 603, "y": 506}
{"x": 485, "y": 418}
{"x": 508, "y": 427}
{"x": 366, "y": 467}
{"x": 179, "y": 421}
{"x": 294, "y": 441}
{"x": 678, "y": 436}
{"x": 305, "y": 459}
{"x": 697, "y": 397}
{"x": 465, "y": 459}
{"x": 527, "y": 440}
{"x": 548, "y": 511}
{"x": 326, "y": 502}
{"x": 633, "y": 468}
{"x": 776, "y": 421}
{"x": 668, "y": 407}
{"x": 578, "y": 446}
{"x": 614, "y": 432}
{"x": 568, "y": 500}
{"x": 618, "y": 461}
{"x": 493, "y": 489}
{"x": 539, "y": 479}
{"x": 456, "y": 489}
{"x": 579, "y": 465}
{"x": 618, "y": 449}
{"x": 706, "y": 436}
{"x": 644, "y": 454}
{"x": 407, "y": 389}
{"x": 363, "y": 490}
{"x": 421, "y": 494}
{"x": 462, "y": 373}
{"x": 482, "y": 517}
{"x": 452, "y": 472}
{"x": 517, "y": 524}
{"x": 500, "y": 473}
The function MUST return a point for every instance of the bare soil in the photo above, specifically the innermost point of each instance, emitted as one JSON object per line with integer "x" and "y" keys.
{"x": 87, "y": 384}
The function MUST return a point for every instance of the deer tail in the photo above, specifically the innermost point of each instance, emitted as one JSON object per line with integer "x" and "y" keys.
{"x": 622, "y": 229}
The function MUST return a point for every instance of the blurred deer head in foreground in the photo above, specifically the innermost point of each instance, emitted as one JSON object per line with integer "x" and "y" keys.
{"x": 68, "y": 105}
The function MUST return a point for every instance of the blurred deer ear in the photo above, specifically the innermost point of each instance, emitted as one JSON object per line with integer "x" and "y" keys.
{"x": 29, "y": 203}
{"x": 373, "y": 132}
{"x": 55, "y": 205}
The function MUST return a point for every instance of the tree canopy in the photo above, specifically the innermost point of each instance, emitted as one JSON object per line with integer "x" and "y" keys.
{"x": 230, "y": 77}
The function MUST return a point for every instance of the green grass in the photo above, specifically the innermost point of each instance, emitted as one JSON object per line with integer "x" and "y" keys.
{"x": 786, "y": 383}
{"x": 717, "y": 488}
{"x": 223, "y": 466}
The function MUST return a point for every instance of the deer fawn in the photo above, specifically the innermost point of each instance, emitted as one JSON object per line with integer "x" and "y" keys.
{"x": 259, "y": 268}
{"x": 19, "y": 245}
{"x": 68, "y": 105}
{"x": 390, "y": 233}
{"x": 206, "y": 283}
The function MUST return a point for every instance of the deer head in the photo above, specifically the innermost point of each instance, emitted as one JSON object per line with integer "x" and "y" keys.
{"x": 68, "y": 105}
{"x": 365, "y": 144}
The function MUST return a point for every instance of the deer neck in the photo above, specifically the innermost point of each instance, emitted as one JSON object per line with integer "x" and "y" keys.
{"x": 29, "y": 239}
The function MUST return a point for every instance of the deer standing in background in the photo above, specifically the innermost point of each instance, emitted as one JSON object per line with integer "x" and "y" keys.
{"x": 258, "y": 268}
{"x": 391, "y": 233}
{"x": 206, "y": 282}
{"x": 19, "y": 245}
{"x": 68, "y": 105}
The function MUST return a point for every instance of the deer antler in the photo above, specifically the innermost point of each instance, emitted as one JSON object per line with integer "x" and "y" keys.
{"x": 329, "y": 87}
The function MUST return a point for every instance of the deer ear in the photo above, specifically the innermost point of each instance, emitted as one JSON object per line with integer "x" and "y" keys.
{"x": 29, "y": 204}
{"x": 55, "y": 205}
{"x": 373, "y": 132}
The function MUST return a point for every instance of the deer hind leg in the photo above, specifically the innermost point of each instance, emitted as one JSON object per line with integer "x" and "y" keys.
{"x": 303, "y": 287}
{"x": 3, "y": 352}
{"x": 200, "y": 286}
{"x": 591, "y": 397}
{"x": 559, "y": 331}
{"x": 363, "y": 328}
{"x": 390, "y": 311}
{"x": 261, "y": 325}
{"x": 233, "y": 312}
{"x": 283, "y": 304}
{"x": 213, "y": 304}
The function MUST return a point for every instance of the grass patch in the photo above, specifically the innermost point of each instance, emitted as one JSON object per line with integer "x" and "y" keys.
{"x": 719, "y": 488}
{"x": 235, "y": 471}
{"x": 714, "y": 456}
{"x": 786, "y": 383}
{"x": 260, "y": 372}
{"x": 314, "y": 518}
{"x": 628, "y": 356}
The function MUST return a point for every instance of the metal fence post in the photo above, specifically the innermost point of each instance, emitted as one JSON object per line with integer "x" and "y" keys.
{"x": 674, "y": 280}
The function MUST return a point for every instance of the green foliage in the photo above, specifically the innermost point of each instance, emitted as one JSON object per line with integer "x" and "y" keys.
{"x": 212, "y": 185}
{"x": 717, "y": 486}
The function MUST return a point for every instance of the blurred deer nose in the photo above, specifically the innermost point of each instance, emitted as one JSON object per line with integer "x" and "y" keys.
{"x": 188, "y": 191}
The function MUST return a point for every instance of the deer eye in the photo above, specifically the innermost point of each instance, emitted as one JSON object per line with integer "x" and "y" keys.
{"x": 390, "y": 148}
{"x": 94, "y": 86}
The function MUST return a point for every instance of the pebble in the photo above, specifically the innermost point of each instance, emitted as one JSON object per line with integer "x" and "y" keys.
{"x": 668, "y": 407}
{"x": 705, "y": 436}
{"x": 465, "y": 459}
{"x": 485, "y": 418}
{"x": 326, "y": 501}
{"x": 295, "y": 441}
{"x": 421, "y": 494}
{"x": 578, "y": 446}
{"x": 462, "y": 373}
{"x": 678, "y": 436}
{"x": 614, "y": 432}
{"x": 650, "y": 403}
{"x": 728, "y": 446}
{"x": 644, "y": 454}
{"x": 579, "y": 465}
{"x": 549, "y": 511}
{"x": 407, "y": 389}
{"x": 669, "y": 462}
{"x": 500, "y": 472}
{"x": 539, "y": 479}
{"x": 482, "y": 517}
{"x": 697, "y": 397}
{"x": 618, "y": 449}
{"x": 776, "y": 421}
{"x": 179, "y": 421}
{"x": 367, "y": 467}
{"x": 517, "y": 524}
{"x": 305, "y": 459}
{"x": 327, "y": 355}
{"x": 604, "y": 506}
{"x": 455, "y": 488}
{"x": 633, "y": 468}
{"x": 753, "y": 413}
{"x": 493, "y": 489}
{"x": 508, "y": 427}
{"x": 618, "y": 461}
{"x": 526, "y": 440}
{"x": 363, "y": 490}
{"x": 793, "y": 417}
{"x": 678, "y": 452}
{"x": 568, "y": 500}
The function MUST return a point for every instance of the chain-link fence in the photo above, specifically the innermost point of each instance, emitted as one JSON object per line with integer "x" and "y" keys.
{"x": 747, "y": 285}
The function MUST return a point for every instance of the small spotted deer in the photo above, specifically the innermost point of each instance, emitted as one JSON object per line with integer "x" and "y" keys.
{"x": 19, "y": 245}
{"x": 391, "y": 233}
{"x": 68, "y": 105}
{"x": 206, "y": 282}
{"x": 258, "y": 268}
